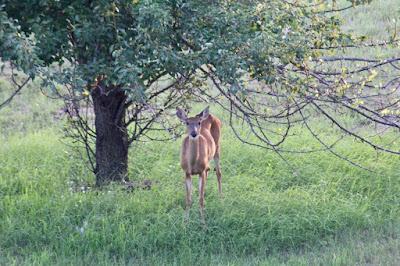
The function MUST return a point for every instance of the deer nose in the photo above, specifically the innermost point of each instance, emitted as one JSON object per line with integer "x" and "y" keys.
{"x": 193, "y": 134}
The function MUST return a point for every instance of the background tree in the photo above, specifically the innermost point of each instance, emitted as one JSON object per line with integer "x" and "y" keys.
{"x": 130, "y": 61}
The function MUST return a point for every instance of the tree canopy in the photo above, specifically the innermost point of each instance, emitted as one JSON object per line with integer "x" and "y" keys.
{"x": 116, "y": 54}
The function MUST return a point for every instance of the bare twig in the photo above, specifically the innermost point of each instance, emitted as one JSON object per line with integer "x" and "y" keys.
{"x": 19, "y": 88}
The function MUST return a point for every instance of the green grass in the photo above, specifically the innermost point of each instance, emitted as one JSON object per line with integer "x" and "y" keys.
{"x": 327, "y": 212}
{"x": 377, "y": 22}
{"x": 323, "y": 211}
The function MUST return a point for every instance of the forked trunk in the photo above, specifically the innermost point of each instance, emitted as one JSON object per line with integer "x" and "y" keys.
{"x": 111, "y": 134}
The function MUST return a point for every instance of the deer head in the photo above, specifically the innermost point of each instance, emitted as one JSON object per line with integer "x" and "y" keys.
{"x": 193, "y": 124}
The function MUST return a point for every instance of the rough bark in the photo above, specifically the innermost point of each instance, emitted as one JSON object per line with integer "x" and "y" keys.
{"x": 111, "y": 134}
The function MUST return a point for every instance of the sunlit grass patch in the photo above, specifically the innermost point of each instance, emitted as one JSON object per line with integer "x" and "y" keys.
{"x": 267, "y": 208}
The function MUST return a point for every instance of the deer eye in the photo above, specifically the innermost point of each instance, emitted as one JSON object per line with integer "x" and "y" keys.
{"x": 187, "y": 123}
{"x": 199, "y": 123}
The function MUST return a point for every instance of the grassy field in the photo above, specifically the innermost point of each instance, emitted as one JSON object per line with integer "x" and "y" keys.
{"x": 325, "y": 211}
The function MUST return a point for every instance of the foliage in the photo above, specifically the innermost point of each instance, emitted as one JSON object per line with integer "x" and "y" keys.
{"x": 16, "y": 47}
{"x": 285, "y": 47}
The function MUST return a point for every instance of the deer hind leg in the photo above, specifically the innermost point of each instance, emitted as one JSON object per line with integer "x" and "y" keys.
{"x": 218, "y": 171}
{"x": 202, "y": 183}
{"x": 188, "y": 182}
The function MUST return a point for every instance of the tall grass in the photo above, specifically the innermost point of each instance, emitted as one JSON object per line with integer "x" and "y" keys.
{"x": 267, "y": 209}
{"x": 377, "y": 22}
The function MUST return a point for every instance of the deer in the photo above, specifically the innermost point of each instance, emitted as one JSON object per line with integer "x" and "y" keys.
{"x": 199, "y": 147}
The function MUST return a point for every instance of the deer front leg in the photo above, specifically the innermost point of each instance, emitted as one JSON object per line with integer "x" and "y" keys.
{"x": 188, "y": 181}
{"x": 202, "y": 183}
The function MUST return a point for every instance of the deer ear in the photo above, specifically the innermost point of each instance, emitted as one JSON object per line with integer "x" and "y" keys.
{"x": 204, "y": 114}
{"x": 180, "y": 114}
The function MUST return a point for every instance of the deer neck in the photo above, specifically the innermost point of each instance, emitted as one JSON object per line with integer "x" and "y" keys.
{"x": 193, "y": 150}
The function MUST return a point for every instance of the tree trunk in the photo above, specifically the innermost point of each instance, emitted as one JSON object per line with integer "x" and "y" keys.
{"x": 111, "y": 134}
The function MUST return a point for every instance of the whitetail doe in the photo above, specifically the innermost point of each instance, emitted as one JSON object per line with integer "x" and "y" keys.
{"x": 201, "y": 144}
